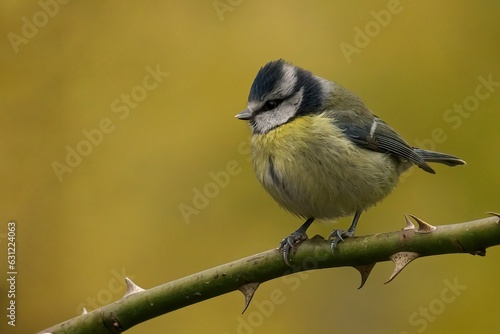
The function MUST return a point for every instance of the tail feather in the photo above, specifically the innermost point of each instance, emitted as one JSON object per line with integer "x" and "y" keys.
{"x": 442, "y": 158}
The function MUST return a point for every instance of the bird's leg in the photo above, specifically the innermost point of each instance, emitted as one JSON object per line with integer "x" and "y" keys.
{"x": 290, "y": 242}
{"x": 339, "y": 235}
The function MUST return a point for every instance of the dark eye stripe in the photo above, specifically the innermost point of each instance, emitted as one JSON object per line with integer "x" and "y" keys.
{"x": 271, "y": 104}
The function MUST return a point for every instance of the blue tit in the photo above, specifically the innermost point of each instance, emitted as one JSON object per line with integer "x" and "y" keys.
{"x": 320, "y": 152}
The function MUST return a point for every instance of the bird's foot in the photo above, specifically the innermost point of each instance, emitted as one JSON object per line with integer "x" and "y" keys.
{"x": 339, "y": 235}
{"x": 289, "y": 244}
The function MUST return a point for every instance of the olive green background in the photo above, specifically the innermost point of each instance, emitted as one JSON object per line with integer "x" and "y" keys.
{"x": 118, "y": 212}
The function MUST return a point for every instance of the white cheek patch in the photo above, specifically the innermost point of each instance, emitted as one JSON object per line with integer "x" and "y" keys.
{"x": 268, "y": 120}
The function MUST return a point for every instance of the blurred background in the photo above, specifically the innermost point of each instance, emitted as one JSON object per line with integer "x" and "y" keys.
{"x": 120, "y": 155}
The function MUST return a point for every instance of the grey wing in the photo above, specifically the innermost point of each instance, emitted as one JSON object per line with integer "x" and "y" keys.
{"x": 380, "y": 137}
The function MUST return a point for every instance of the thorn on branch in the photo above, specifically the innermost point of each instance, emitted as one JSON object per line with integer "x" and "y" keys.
{"x": 365, "y": 271}
{"x": 131, "y": 288}
{"x": 480, "y": 252}
{"x": 409, "y": 224}
{"x": 495, "y": 214}
{"x": 423, "y": 227}
{"x": 248, "y": 291}
{"x": 401, "y": 260}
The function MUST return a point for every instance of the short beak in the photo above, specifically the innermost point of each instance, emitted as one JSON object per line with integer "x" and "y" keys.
{"x": 245, "y": 115}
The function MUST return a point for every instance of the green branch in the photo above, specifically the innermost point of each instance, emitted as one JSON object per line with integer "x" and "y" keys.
{"x": 246, "y": 274}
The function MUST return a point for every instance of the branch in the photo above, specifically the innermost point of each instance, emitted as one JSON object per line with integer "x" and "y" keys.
{"x": 246, "y": 274}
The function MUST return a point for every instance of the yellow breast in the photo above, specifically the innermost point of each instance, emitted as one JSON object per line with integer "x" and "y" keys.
{"x": 313, "y": 170}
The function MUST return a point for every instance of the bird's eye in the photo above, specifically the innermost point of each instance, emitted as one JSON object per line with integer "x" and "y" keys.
{"x": 270, "y": 105}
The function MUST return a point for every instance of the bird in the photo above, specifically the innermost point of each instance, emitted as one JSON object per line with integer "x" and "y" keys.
{"x": 320, "y": 152}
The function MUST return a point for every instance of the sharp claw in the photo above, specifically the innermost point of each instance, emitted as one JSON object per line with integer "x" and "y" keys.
{"x": 285, "y": 248}
{"x": 282, "y": 244}
{"x": 286, "y": 252}
{"x": 337, "y": 236}
{"x": 333, "y": 246}
{"x": 293, "y": 240}
{"x": 286, "y": 258}
{"x": 289, "y": 243}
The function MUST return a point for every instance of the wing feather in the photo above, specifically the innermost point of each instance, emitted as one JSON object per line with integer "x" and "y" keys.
{"x": 380, "y": 137}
